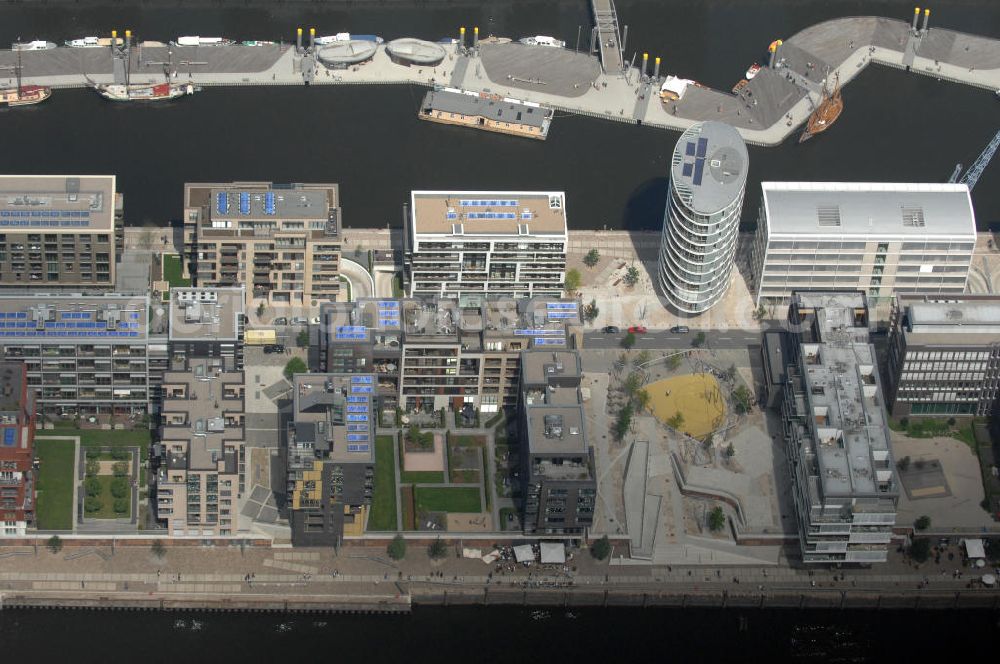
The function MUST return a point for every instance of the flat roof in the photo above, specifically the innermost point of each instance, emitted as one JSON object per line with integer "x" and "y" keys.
{"x": 262, "y": 201}
{"x": 336, "y": 414}
{"x": 515, "y": 213}
{"x": 556, "y": 429}
{"x": 57, "y": 203}
{"x": 893, "y": 210}
{"x": 500, "y": 110}
{"x": 709, "y": 166}
{"x": 539, "y": 366}
{"x": 951, "y": 322}
{"x": 45, "y": 318}
{"x": 206, "y": 314}
{"x": 206, "y": 405}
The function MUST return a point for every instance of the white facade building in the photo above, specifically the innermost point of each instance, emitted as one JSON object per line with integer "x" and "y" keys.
{"x": 467, "y": 244}
{"x": 701, "y": 222}
{"x": 880, "y": 238}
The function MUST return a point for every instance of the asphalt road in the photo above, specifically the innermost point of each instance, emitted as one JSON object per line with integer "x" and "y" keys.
{"x": 665, "y": 339}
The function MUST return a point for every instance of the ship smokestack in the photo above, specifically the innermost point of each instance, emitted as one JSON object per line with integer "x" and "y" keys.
{"x": 312, "y": 37}
{"x": 475, "y": 37}
{"x": 916, "y": 17}
{"x": 461, "y": 38}
{"x": 298, "y": 39}
{"x": 772, "y": 51}
{"x": 927, "y": 18}
{"x": 114, "y": 38}
{"x": 128, "y": 40}
{"x": 645, "y": 59}
{"x": 656, "y": 69}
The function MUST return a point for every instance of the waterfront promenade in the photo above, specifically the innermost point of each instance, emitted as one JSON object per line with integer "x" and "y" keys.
{"x": 766, "y": 112}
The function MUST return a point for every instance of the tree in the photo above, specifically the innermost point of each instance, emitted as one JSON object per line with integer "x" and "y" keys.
{"x": 591, "y": 312}
{"x": 157, "y": 549}
{"x": 730, "y": 373}
{"x": 573, "y": 280}
{"x": 119, "y": 454}
{"x": 601, "y": 549}
{"x": 93, "y": 487}
{"x": 120, "y": 506}
{"x": 920, "y": 550}
{"x": 295, "y": 366}
{"x": 628, "y": 341}
{"x": 54, "y": 544}
{"x": 642, "y": 400}
{"x": 119, "y": 487}
{"x": 759, "y": 313}
{"x": 716, "y": 519}
{"x": 592, "y": 258}
{"x": 673, "y": 361}
{"x": 632, "y": 383}
{"x": 677, "y": 421}
{"x": 922, "y": 523}
{"x": 730, "y": 451}
{"x": 631, "y": 276}
{"x": 642, "y": 357}
{"x": 624, "y": 422}
{"x": 397, "y": 547}
{"x": 699, "y": 340}
{"x": 437, "y": 549}
{"x": 93, "y": 467}
{"x": 261, "y": 308}
{"x": 903, "y": 464}
{"x": 741, "y": 397}
{"x": 92, "y": 505}
{"x": 302, "y": 339}
{"x": 120, "y": 468}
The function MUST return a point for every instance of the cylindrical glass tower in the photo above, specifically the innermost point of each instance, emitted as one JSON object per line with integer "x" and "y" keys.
{"x": 701, "y": 222}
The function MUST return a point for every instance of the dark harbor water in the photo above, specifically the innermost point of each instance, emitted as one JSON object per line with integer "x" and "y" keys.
{"x": 498, "y": 635}
{"x": 895, "y": 127}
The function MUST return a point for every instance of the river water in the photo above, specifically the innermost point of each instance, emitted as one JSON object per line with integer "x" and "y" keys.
{"x": 895, "y": 127}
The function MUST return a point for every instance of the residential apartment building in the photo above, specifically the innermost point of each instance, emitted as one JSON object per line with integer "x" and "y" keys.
{"x": 470, "y": 244}
{"x": 17, "y": 442}
{"x": 429, "y": 354}
{"x": 200, "y": 479}
{"x": 59, "y": 231}
{"x": 207, "y": 323}
{"x": 330, "y": 457}
{"x": 86, "y": 355}
{"x": 708, "y": 175}
{"x": 844, "y": 484}
{"x": 282, "y": 241}
{"x": 944, "y": 355}
{"x": 560, "y": 487}
{"x": 880, "y": 238}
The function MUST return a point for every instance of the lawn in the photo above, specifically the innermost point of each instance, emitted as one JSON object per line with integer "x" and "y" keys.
{"x": 421, "y": 477}
{"x": 55, "y": 484}
{"x": 383, "y": 514}
{"x": 107, "y": 437}
{"x": 107, "y": 510}
{"x": 172, "y": 271}
{"x": 447, "y": 499}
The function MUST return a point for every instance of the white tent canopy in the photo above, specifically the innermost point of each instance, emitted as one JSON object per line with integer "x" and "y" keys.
{"x": 974, "y": 549}
{"x": 553, "y": 553}
{"x": 523, "y": 553}
{"x": 673, "y": 87}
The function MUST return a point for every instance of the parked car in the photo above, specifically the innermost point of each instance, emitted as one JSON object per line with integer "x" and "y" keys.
{"x": 280, "y": 321}
{"x": 299, "y": 320}
{"x": 680, "y": 329}
{"x": 274, "y": 348}
{"x": 637, "y": 329}
{"x": 611, "y": 329}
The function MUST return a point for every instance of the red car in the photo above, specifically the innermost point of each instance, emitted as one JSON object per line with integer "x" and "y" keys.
{"x": 637, "y": 329}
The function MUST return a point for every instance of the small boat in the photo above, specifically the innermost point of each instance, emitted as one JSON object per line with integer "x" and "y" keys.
{"x": 145, "y": 92}
{"x": 332, "y": 39}
{"x": 36, "y": 45}
{"x": 24, "y": 95}
{"x": 826, "y": 113}
{"x": 739, "y": 86}
{"x": 754, "y": 68}
{"x": 84, "y": 42}
{"x": 256, "y": 42}
{"x": 542, "y": 40}
{"x": 202, "y": 41}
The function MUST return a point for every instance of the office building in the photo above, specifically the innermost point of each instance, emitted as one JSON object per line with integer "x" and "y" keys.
{"x": 844, "y": 484}
{"x": 59, "y": 231}
{"x": 282, "y": 241}
{"x": 429, "y": 354}
{"x": 331, "y": 457}
{"x": 560, "y": 488}
{"x": 880, "y": 238}
{"x": 202, "y": 463}
{"x": 17, "y": 441}
{"x": 469, "y": 244}
{"x": 86, "y": 355}
{"x": 944, "y": 355}
{"x": 708, "y": 173}
{"x": 207, "y": 323}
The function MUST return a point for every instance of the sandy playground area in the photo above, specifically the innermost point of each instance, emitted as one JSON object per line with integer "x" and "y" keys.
{"x": 696, "y": 396}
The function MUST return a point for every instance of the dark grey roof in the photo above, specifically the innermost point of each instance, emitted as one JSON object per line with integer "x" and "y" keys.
{"x": 710, "y": 163}
{"x": 498, "y": 110}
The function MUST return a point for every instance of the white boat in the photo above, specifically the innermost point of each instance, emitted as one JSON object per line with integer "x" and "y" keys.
{"x": 203, "y": 41}
{"x": 145, "y": 92}
{"x": 36, "y": 45}
{"x": 752, "y": 71}
{"x": 257, "y": 42}
{"x": 542, "y": 40}
{"x": 332, "y": 39}
{"x": 83, "y": 42}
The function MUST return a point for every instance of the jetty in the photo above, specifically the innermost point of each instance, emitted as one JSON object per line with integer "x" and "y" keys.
{"x": 766, "y": 111}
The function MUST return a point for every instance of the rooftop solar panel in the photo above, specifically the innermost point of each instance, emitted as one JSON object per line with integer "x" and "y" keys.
{"x": 702, "y": 147}
{"x": 699, "y": 167}
{"x": 686, "y": 170}
{"x": 689, "y": 149}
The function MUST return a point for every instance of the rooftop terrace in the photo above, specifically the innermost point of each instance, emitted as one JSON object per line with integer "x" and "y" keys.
{"x": 517, "y": 213}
